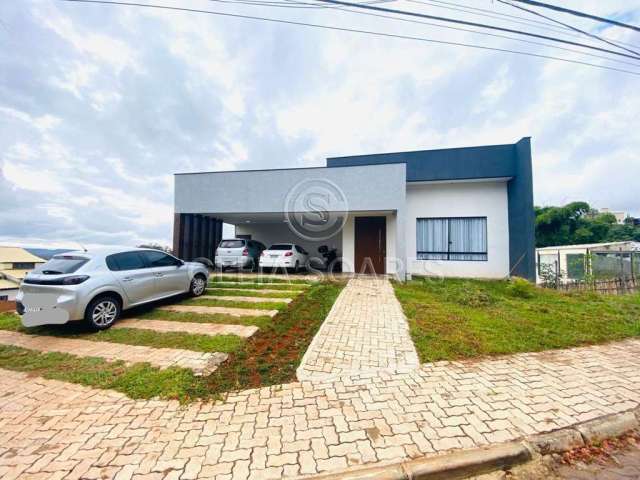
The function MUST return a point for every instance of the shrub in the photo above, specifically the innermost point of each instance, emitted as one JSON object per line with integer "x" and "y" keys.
{"x": 520, "y": 288}
{"x": 474, "y": 298}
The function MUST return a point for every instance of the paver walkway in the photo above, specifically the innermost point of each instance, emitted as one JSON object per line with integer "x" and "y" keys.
{"x": 53, "y": 428}
{"x": 365, "y": 331}
{"x": 234, "y": 312}
{"x": 211, "y": 329}
{"x": 201, "y": 363}
{"x": 247, "y": 299}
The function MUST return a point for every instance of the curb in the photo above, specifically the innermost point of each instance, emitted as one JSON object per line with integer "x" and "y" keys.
{"x": 467, "y": 463}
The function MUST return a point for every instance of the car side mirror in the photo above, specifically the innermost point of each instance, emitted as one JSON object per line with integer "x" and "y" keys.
{"x": 179, "y": 263}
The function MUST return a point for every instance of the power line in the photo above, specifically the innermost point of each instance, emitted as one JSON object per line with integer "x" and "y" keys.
{"x": 474, "y": 24}
{"x": 490, "y": 14}
{"x": 468, "y": 30}
{"x": 533, "y": 12}
{"x": 353, "y": 30}
{"x": 580, "y": 14}
{"x": 563, "y": 31}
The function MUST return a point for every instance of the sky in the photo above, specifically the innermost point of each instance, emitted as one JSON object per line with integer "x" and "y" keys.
{"x": 101, "y": 104}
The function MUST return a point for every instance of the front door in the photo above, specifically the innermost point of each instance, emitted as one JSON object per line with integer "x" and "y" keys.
{"x": 370, "y": 244}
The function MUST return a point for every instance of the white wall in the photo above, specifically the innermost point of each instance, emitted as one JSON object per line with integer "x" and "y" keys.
{"x": 467, "y": 199}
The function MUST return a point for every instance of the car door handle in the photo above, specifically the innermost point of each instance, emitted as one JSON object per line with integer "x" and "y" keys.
{"x": 159, "y": 274}
{"x": 127, "y": 279}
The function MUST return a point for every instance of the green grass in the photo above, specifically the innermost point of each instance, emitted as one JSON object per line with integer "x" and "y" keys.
{"x": 269, "y": 357}
{"x": 211, "y": 302}
{"x": 140, "y": 380}
{"x": 129, "y": 336}
{"x": 455, "y": 318}
{"x": 245, "y": 293}
{"x": 256, "y": 286}
{"x": 230, "y": 279}
{"x": 259, "y": 321}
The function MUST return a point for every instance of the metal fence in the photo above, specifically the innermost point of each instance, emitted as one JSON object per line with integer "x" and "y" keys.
{"x": 605, "y": 271}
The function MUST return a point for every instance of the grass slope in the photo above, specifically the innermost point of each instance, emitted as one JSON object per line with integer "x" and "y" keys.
{"x": 455, "y": 318}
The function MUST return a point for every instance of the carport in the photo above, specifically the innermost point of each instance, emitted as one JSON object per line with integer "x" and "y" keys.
{"x": 362, "y": 209}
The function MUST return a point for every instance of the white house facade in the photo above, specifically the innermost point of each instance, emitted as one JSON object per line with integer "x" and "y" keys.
{"x": 464, "y": 212}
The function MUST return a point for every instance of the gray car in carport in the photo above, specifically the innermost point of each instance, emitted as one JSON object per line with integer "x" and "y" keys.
{"x": 97, "y": 285}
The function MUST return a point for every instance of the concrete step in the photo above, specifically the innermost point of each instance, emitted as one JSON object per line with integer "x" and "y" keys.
{"x": 234, "y": 312}
{"x": 211, "y": 329}
{"x": 202, "y": 363}
{"x": 234, "y": 298}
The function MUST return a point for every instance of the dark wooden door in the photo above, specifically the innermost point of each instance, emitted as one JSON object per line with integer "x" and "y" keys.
{"x": 370, "y": 244}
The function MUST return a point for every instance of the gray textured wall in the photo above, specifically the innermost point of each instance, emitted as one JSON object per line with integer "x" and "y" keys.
{"x": 377, "y": 187}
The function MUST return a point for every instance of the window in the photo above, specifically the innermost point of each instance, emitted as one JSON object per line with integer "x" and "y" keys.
{"x": 231, "y": 244}
{"x": 159, "y": 259}
{"x": 461, "y": 239}
{"x": 125, "y": 261}
{"x": 4, "y": 298}
{"x": 280, "y": 246}
{"x": 60, "y": 265}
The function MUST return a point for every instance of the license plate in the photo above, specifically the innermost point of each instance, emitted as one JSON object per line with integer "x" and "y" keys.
{"x": 274, "y": 256}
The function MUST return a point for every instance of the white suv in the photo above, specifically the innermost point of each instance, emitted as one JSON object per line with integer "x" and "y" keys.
{"x": 98, "y": 285}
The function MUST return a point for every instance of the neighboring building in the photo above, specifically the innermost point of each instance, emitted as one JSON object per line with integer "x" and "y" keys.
{"x": 601, "y": 260}
{"x": 15, "y": 263}
{"x": 620, "y": 216}
{"x": 459, "y": 212}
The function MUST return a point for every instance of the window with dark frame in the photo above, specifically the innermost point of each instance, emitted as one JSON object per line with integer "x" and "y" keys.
{"x": 452, "y": 238}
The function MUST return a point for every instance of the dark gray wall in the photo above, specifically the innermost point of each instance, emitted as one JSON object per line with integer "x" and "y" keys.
{"x": 493, "y": 161}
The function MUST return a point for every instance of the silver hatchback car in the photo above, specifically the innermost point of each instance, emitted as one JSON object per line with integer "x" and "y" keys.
{"x": 97, "y": 285}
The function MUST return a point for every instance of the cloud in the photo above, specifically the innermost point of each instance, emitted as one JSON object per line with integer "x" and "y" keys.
{"x": 100, "y": 105}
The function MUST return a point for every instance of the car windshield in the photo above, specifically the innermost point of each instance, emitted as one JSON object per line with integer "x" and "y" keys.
{"x": 232, "y": 244}
{"x": 280, "y": 246}
{"x": 61, "y": 265}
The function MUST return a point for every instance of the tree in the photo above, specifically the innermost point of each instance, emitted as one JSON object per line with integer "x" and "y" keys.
{"x": 577, "y": 223}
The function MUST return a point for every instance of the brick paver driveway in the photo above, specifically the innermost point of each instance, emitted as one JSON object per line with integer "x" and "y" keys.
{"x": 51, "y": 429}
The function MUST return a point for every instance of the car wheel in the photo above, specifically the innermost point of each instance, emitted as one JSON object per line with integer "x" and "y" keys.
{"x": 198, "y": 285}
{"x": 103, "y": 312}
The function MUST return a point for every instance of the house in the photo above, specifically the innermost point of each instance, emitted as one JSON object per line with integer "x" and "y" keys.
{"x": 15, "y": 263}
{"x": 620, "y": 216}
{"x": 600, "y": 260}
{"x": 458, "y": 212}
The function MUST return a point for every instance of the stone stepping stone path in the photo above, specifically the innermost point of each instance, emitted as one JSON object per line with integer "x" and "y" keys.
{"x": 291, "y": 286}
{"x": 200, "y": 362}
{"x": 248, "y": 299}
{"x": 211, "y": 329}
{"x": 256, "y": 290}
{"x": 234, "y": 312}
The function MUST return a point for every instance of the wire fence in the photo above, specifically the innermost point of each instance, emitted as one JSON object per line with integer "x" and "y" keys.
{"x": 606, "y": 271}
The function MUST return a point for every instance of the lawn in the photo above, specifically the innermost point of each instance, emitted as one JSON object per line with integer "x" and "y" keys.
{"x": 269, "y": 357}
{"x": 455, "y": 318}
